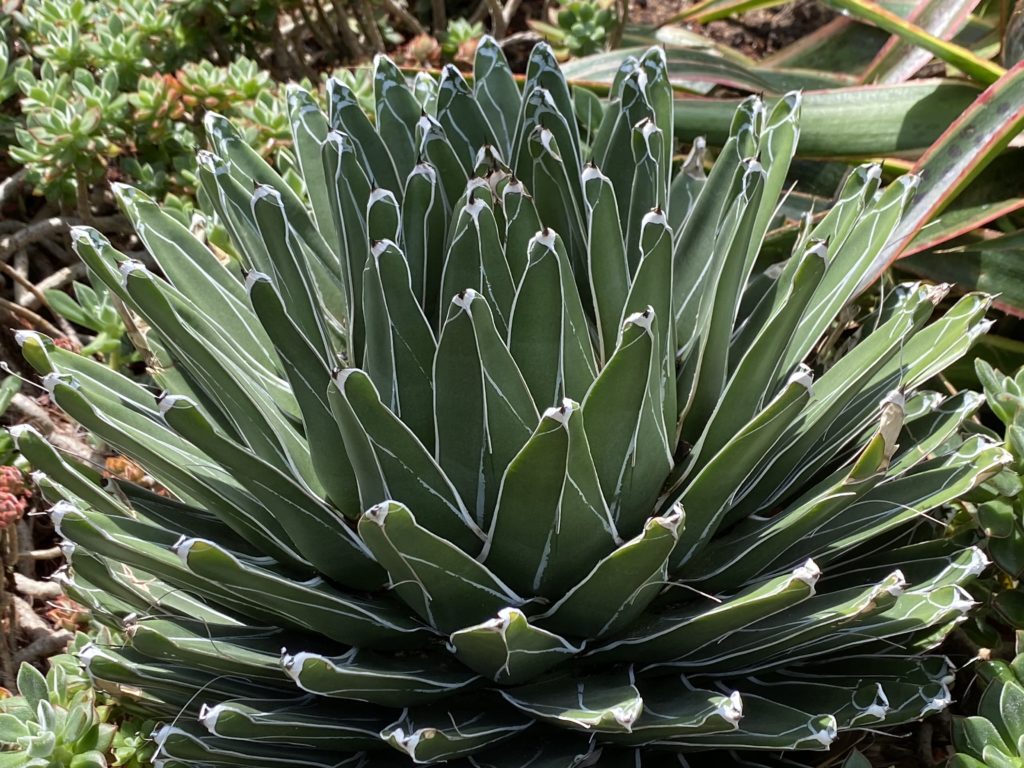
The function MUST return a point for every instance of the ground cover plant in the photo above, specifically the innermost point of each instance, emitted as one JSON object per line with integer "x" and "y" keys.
{"x": 496, "y": 427}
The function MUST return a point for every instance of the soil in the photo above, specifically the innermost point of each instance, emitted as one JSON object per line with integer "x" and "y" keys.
{"x": 756, "y": 33}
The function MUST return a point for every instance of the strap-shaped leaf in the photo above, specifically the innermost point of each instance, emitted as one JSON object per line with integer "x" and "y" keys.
{"x": 549, "y": 335}
{"x": 621, "y": 586}
{"x": 522, "y": 222}
{"x": 431, "y": 735}
{"x": 625, "y": 427}
{"x": 309, "y": 129}
{"x": 644, "y": 197}
{"x": 476, "y": 259}
{"x": 383, "y": 216}
{"x": 608, "y": 703}
{"x": 308, "y": 372}
{"x": 496, "y": 92}
{"x": 674, "y": 710}
{"x": 551, "y": 525}
{"x": 390, "y": 463}
{"x": 178, "y": 746}
{"x": 424, "y": 231}
{"x": 386, "y": 680}
{"x": 675, "y": 633}
{"x": 315, "y": 529}
{"x": 440, "y": 582}
{"x": 706, "y": 497}
{"x": 686, "y": 186}
{"x": 306, "y": 721}
{"x": 558, "y": 195}
{"x": 397, "y": 112}
{"x": 482, "y": 408}
{"x": 400, "y": 345}
{"x": 435, "y": 149}
{"x": 349, "y": 194}
{"x": 543, "y": 72}
{"x": 461, "y": 116}
{"x": 310, "y": 604}
{"x": 246, "y": 651}
{"x": 608, "y": 269}
{"x": 509, "y": 649}
{"x": 349, "y": 118}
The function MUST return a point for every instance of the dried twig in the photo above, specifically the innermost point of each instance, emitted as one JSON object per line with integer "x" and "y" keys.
{"x": 42, "y": 554}
{"x": 12, "y": 184}
{"x": 44, "y": 646}
{"x": 40, "y": 590}
{"x": 30, "y": 317}
{"x": 407, "y": 20}
{"x": 58, "y": 279}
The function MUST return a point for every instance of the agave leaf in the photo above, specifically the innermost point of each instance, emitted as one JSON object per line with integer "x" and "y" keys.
{"x": 645, "y": 197}
{"x": 390, "y": 463}
{"x": 673, "y": 711}
{"x": 440, "y": 582}
{"x": 713, "y": 487}
{"x": 768, "y": 725}
{"x": 551, "y": 524}
{"x": 608, "y": 268}
{"x": 551, "y": 749}
{"x": 309, "y": 129}
{"x": 521, "y": 223}
{"x": 483, "y": 409}
{"x": 496, "y": 92}
{"x": 624, "y": 421}
{"x": 898, "y": 60}
{"x": 621, "y": 586}
{"x": 265, "y": 721}
{"x": 397, "y": 112}
{"x": 346, "y": 116}
{"x": 543, "y": 72}
{"x": 475, "y": 257}
{"x": 309, "y": 605}
{"x": 307, "y": 371}
{"x": 509, "y": 649}
{"x": 314, "y": 528}
{"x": 461, "y": 116}
{"x": 603, "y": 703}
{"x": 177, "y": 746}
{"x": 400, "y": 344}
{"x": 383, "y": 216}
{"x": 676, "y": 633}
{"x": 246, "y": 651}
{"x": 424, "y": 231}
{"x": 430, "y": 736}
{"x": 969, "y": 144}
{"x": 388, "y": 681}
{"x": 435, "y": 149}
{"x": 555, "y": 365}
{"x": 556, "y": 189}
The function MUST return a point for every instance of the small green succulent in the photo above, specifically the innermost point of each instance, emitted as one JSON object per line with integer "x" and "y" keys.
{"x": 995, "y": 736}
{"x": 583, "y": 27}
{"x": 56, "y": 721}
{"x": 93, "y": 308}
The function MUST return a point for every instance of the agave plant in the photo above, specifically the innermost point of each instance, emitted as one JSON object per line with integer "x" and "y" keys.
{"x": 503, "y": 434}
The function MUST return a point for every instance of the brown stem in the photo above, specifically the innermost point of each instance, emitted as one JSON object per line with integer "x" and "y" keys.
{"x": 410, "y": 22}
{"x": 30, "y": 317}
{"x": 367, "y": 22}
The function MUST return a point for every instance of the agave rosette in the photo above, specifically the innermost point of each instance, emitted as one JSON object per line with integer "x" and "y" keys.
{"x": 501, "y": 431}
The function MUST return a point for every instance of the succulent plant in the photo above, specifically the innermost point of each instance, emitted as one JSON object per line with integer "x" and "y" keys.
{"x": 55, "y": 722}
{"x": 995, "y": 736}
{"x": 504, "y": 434}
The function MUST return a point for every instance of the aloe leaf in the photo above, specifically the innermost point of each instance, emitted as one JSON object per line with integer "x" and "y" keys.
{"x": 962, "y": 58}
{"x": 483, "y": 409}
{"x": 309, "y": 605}
{"x": 390, "y": 463}
{"x": 314, "y": 528}
{"x": 496, "y": 91}
{"x": 440, "y": 582}
{"x": 602, "y": 703}
{"x": 898, "y": 60}
{"x": 555, "y": 365}
{"x": 621, "y": 586}
{"x": 624, "y": 421}
{"x": 863, "y": 121}
{"x": 509, "y": 649}
{"x": 967, "y": 146}
{"x": 387, "y": 681}
{"x": 349, "y": 194}
{"x": 551, "y": 524}
{"x": 429, "y": 736}
{"x": 400, "y": 345}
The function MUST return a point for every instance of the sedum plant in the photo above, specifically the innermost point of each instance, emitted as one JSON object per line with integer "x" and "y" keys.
{"x": 499, "y": 446}
{"x": 995, "y": 736}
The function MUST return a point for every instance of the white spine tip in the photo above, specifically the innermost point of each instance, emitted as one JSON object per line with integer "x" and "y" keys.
{"x": 255, "y": 277}
{"x": 464, "y": 300}
{"x": 562, "y": 413}
{"x": 808, "y": 573}
{"x": 169, "y": 401}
